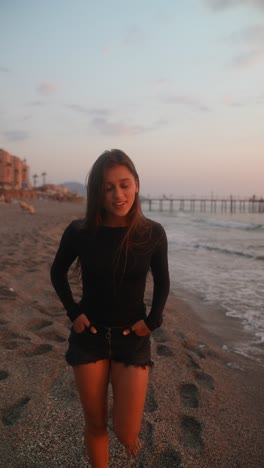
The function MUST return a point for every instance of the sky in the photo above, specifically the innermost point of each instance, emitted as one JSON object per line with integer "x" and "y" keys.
{"x": 178, "y": 86}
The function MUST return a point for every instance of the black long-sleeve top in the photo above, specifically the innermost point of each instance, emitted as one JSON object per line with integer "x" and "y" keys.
{"x": 113, "y": 287}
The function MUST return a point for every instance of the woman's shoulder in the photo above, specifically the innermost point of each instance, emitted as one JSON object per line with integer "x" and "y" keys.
{"x": 156, "y": 231}
{"x": 76, "y": 226}
{"x": 155, "y": 227}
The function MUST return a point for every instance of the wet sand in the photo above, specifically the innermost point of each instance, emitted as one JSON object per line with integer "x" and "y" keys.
{"x": 205, "y": 404}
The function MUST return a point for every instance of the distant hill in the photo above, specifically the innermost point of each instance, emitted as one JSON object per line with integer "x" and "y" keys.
{"x": 76, "y": 187}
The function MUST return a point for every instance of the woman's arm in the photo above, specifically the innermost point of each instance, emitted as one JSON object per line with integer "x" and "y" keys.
{"x": 65, "y": 256}
{"x": 161, "y": 281}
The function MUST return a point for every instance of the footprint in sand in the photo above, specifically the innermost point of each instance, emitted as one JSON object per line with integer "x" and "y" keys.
{"x": 191, "y": 433}
{"x": 205, "y": 379}
{"x": 3, "y": 374}
{"x": 192, "y": 362}
{"x": 53, "y": 336}
{"x": 160, "y": 335}
{"x": 39, "y": 307}
{"x": 7, "y": 293}
{"x": 180, "y": 334}
{"x": 189, "y": 395}
{"x": 169, "y": 458}
{"x": 164, "y": 350}
{"x": 148, "y": 435}
{"x": 197, "y": 349}
{"x": 10, "y": 335}
{"x": 38, "y": 350}
{"x": 3, "y": 323}
{"x": 12, "y": 340}
{"x": 11, "y": 345}
{"x": 50, "y": 311}
{"x": 38, "y": 325}
{"x": 151, "y": 405}
{"x": 13, "y": 413}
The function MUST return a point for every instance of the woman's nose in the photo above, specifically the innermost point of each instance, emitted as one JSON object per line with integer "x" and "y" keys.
{"x": 117, "y": 192}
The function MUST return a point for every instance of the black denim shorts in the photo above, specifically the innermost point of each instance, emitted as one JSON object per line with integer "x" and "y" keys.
{"x": 108, "y": 343}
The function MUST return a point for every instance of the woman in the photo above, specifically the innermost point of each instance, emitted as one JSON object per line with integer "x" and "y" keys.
{"x": 115, "y": 246}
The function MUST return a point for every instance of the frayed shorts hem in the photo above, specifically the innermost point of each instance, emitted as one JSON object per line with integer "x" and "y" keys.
{"x": 130, "y": 350}
{"x": 143, "y": 365}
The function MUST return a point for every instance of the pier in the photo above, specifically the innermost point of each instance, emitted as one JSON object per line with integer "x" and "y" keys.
{"x": 202, "y": 205}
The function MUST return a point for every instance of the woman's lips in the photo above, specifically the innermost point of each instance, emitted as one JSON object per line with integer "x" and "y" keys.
{"x": 119, "y": 204}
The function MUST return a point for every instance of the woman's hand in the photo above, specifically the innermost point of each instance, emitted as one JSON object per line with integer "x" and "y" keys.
{"x": 82, "y": 322}
{"x": 140, "y": 328}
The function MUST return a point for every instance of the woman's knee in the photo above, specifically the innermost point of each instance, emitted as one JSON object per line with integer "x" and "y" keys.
{"x": 95, "y": 429}
{"x": 95, "y": 424}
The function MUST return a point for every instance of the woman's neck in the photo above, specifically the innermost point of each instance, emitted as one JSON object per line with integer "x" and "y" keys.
{"x": 115, "y": 222}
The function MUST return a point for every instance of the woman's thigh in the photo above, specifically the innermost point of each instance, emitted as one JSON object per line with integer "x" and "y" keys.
{"x": 92, "y": 382}
{"x": 129, "y": 393}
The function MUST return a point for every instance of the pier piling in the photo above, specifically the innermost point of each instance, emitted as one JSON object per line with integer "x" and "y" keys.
{"x": 213, "y": 205}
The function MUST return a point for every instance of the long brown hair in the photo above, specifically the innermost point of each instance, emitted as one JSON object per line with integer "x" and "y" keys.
{"x": 138, "y": 227}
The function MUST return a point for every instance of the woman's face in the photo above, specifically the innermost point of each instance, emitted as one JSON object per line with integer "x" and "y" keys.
{"x": 119, "y": 190}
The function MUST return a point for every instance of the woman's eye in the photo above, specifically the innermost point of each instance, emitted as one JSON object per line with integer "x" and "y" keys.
{"x": 109, "y": 189}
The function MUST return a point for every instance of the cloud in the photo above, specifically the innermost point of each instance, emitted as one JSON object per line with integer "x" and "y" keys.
{"x": 46, "y": 88}
{"x": 4, "y": 70}
{"x": 253, "y": 35}
{"x": 188, "y": 102}
{"x": 134, "y": 36}
{"x": 106, "y": 127}
{"x": 218, "y": 5}
{"x": 230, "y": 101}
{"x": 36, "y": 103}
{"x": 161, "y": 82}
{"x": 160, "y": 123}
{"x": 100, "y": 111}
{"x": 251, "y": 40}
{"x": 107, "y": 50}
{"x": 78, "y": 108}
{"x": 248, "y": 59}
{"x": 86, "y": 110}
{"x": 16, "y": 135}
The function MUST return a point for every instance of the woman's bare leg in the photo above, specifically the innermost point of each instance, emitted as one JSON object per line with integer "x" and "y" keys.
{"x": 92, "y": 382}
{"x": 129, "y": 393}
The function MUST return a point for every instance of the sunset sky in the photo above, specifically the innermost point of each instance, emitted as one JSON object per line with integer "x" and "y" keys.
{"x": 179, "y": 86}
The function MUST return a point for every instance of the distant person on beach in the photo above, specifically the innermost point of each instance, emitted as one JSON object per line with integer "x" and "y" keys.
{"x": 115, "y": 246}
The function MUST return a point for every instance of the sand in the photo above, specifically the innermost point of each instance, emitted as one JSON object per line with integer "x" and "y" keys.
{"x": 205, "y": 404}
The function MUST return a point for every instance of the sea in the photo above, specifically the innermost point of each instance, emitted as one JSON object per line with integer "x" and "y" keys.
{"x": 219, "y": 258}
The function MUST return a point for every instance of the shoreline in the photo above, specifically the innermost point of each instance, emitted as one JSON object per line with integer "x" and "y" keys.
{"x": 205, "y": 404}
{"x": 228, "y": 331}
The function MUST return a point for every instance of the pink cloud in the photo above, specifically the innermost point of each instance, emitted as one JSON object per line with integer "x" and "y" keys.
{"x": 222, "y": 4}
{"x": 248, "y": 59}
{"x": 46, "y": 88}
{"x": 107, "y": 50}
{"x": 188, "y": 102}
{"x": 116, "y": 128}
{"x": 230, "y": 101}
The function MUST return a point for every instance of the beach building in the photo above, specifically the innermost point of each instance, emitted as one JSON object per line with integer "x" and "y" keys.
{"x": 14, "y": 172}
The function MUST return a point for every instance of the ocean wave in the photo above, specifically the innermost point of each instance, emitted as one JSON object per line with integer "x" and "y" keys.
{"x": 229, "y": 251}
{"x": 229, "y": 224}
